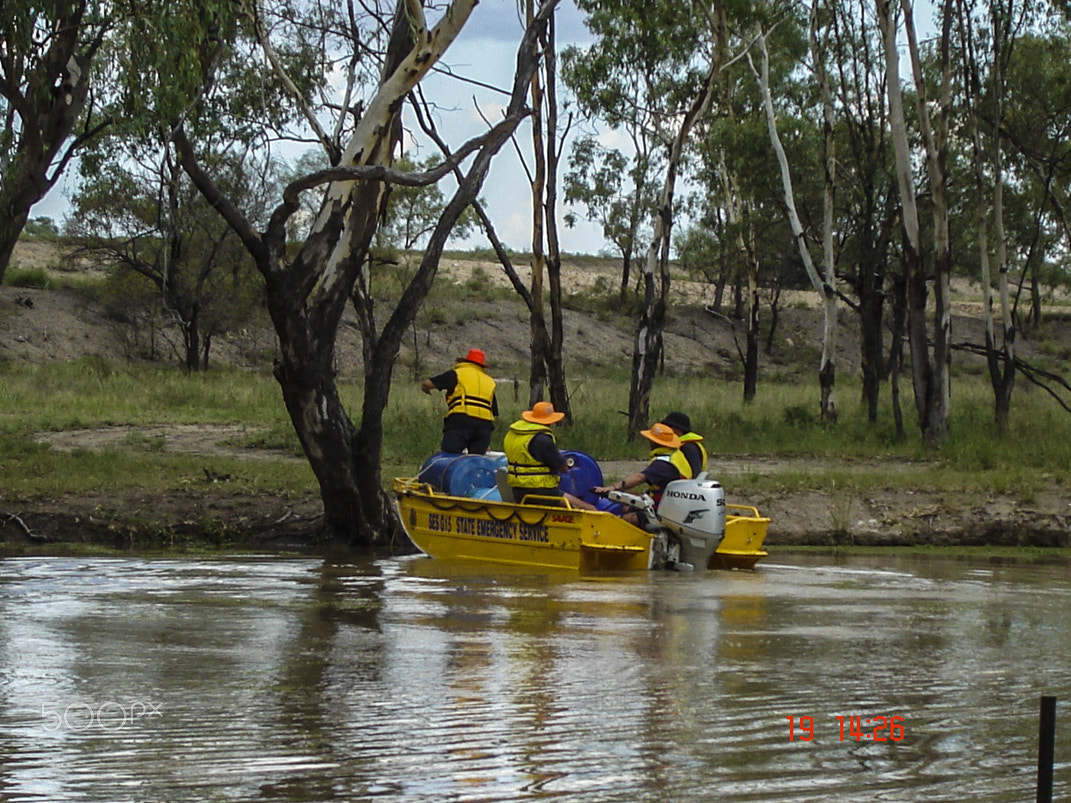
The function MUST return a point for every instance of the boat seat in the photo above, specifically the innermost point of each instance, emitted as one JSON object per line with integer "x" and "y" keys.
{"x": 502, "y": 481}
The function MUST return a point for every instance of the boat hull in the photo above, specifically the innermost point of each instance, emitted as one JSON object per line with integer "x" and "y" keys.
{"x": 548, "y": 536}
{"x": 741, "y": 547}
{"x": 551, "y": 536}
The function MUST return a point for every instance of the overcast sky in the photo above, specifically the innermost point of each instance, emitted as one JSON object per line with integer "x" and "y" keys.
{"x": 486, "y": 52}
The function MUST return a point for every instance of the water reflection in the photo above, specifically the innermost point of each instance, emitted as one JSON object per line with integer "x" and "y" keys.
{"x": 302, "y": 680}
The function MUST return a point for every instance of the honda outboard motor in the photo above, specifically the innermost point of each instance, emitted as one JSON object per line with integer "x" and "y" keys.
{"x": 694, "y": 511}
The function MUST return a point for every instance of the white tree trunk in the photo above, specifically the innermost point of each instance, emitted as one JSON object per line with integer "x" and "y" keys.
{"x": 930, "y": 377}
{"x": 935, "y": 140}
{"x": 823, "y": 284}
{"x": 371, "y": 141}
{"x": 648, "y": 346}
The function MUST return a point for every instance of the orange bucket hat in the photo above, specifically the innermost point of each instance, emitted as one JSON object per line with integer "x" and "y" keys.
{"x": 477, "y": 356}
{"x": 543, "y": 413}
{"x": 661, "y": 435}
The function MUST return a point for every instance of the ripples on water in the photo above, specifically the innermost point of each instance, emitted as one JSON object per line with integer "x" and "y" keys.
{"x": 406, "y": 680}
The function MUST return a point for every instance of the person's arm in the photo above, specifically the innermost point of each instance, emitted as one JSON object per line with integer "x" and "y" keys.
{"x": 631, "y": 481}
{"x": 444, "y": 381}
{"x": 543, "y": 449}
{"x": 661, "y": 473}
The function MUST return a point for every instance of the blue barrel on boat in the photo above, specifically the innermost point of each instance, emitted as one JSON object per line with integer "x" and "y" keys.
{"x": 606, "y": 505}
{"x": 435, "y": 467}
{"x": 490, "y": 493}
{"x": 468, "y": 472}
{"x": 583, "y": 475}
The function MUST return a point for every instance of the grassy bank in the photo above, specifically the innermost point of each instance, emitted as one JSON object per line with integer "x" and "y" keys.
{"x": 1035, "y": 452}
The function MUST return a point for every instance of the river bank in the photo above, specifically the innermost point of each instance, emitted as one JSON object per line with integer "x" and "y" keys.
{"x": 210, "y": 516}
{"x": 194, "y": 511}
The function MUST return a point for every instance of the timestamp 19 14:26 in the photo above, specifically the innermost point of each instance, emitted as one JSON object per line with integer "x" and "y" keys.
{"x": 860, "y": 728}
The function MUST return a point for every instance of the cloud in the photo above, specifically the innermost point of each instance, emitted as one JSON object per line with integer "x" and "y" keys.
{"x": 617, "y": 139}
{"x": 499, "y": 20}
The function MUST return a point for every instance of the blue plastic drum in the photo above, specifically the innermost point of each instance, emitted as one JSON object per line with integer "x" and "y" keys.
{"x": 467, "y": 473}
{"x": 606, "y": 505}
{"x": 583, "y": 475}
{"x": 435, "y": 467}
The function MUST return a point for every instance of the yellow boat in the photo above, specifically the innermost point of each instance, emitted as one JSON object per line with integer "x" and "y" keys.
{"x": 692, "y": 528}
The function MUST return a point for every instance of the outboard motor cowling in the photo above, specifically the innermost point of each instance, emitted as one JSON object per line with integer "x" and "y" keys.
{"x": 694, "y": 511}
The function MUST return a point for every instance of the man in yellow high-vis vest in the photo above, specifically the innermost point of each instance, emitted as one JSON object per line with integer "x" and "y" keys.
{"x": 535, "y": 464}
{"x": 691, "y": 442}
{"x": 667, "y": 464}
{"x": 471, "y": 405}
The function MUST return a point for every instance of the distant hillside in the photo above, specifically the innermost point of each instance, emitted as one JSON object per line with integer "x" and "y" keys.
{"x": 472, "y": 306}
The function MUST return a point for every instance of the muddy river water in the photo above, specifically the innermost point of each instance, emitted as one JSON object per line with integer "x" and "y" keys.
{"x": 256, "y": 679}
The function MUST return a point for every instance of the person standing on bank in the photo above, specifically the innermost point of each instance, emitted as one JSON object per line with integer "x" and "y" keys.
{"x": 534, "y": 461}
{"x": 692, "y": 447}
{"x": 471, "y": 406}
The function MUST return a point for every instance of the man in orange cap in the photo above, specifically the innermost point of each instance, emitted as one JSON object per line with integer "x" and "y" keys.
{"x": 471, "y": 406}
{"x": 660, "y": 472}
{"x": 535, "y": 464}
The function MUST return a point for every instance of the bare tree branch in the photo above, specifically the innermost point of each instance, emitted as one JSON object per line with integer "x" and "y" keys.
{"x": 252, "y": 10}
{"x": 1032, "y": 372}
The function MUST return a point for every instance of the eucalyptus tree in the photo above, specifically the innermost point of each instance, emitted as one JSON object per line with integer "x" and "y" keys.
{"x": 617, "y": 191}
{"x": 49, "y": 54}
{"x": 989, "y": 181}
{"x": 866, "y": 209}
{"x": 547, "y": 365}
{"x": 657, "y": 62}
{"x": 824, "y": 283}
{"x": 382, "y": 55}
{"x": 145, "y": 218}
{"x": 136, "y": 210}
{"x": 619, "y": 188}
{"x": 930, "y": 371}
{"x": 413, "y": 211}
{"x": 1035, "y": 131}
{"x": 740, "y": 205}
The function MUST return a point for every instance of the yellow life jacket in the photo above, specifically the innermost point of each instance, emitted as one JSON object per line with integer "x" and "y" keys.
{"x": 676, "y": 457}
{"x": 692, "y": 437}
{"x": 524, "y": 470}
{"x": 473, "y": 393}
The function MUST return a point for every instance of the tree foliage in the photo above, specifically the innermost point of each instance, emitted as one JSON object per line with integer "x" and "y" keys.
{"x": 49, "y": 75}
{"x": 618, "y": 192}
{"x": 412, "y": 211}
{"x": 148, "y": 220}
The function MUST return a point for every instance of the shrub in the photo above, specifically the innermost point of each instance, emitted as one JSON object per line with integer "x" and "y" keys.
{"x": 798, "y": 416}
{"x": 35, "y": 278}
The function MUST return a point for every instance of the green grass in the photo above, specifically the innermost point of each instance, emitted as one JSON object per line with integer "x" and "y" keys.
{"x": 92, "y": 393}
{"x": 1035, "y": 453}
{"x": 33, "y": 278}
{"x": 28, "y": 469}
